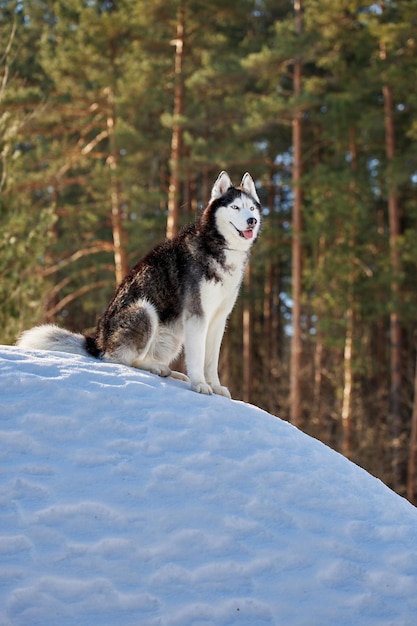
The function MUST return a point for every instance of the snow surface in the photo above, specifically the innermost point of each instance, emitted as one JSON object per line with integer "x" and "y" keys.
{"x": 126, "y": 499}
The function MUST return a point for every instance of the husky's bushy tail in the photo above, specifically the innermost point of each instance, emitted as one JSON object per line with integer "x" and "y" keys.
{"x": 51, "y": 337}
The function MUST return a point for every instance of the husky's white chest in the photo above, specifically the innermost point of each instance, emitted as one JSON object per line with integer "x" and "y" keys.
{"x": 221, "y": 294}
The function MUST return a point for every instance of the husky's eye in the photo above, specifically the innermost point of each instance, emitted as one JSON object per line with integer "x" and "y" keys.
{"x": 252, "y": 208}
{"x": 234, "y": 206}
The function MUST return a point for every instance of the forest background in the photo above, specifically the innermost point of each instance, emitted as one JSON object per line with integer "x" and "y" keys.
{"x": 116, "y": 117}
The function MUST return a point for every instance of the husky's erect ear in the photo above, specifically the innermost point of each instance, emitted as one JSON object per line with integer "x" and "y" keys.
{"x": 249, "y": 186}
{"x": 222, "y": 184}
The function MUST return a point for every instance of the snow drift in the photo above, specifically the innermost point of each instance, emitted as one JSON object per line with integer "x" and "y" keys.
{"x": 127, "y": 499}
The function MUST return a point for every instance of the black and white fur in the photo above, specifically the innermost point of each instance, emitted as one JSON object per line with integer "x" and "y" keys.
{"x": 180, "y": 294}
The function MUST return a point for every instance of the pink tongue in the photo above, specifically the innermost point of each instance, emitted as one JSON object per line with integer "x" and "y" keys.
{"x": 248, "y": 234}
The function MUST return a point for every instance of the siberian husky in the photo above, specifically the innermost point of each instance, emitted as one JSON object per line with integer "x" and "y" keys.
{"x": 179, "y": 295}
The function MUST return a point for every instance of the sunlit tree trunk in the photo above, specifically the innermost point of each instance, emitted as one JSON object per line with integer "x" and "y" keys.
{"x": 3, "y": 83}
{"x": 296, "y": 340}
{"x": 412, "y": 459}
{"x": 268, "y": 322}
{"x": 247, "y": 339}
{"x": 121, "y": 266}
{"x": 350, "y": 320}
{"x": 271, "y": 314}
{"x": 317, "y": 412}
{"x": 177, "y": 133}
{"x": 347, "y": 380}
{"x": 395, "y": 327}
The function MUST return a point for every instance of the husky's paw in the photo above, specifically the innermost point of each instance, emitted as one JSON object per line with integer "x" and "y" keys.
{"x": 179, "y": 376}
{"x": 221, "y": 391}
{"x": 160, "y": 370}
{"x": 202, "y": 388}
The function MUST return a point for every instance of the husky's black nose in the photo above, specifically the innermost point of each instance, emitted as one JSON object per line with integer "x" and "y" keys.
{"x": 252, "y": 221}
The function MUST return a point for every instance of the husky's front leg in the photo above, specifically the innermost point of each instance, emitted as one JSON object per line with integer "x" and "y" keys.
{"x": 194, "y": 347}
{"x": 213, "y": 343}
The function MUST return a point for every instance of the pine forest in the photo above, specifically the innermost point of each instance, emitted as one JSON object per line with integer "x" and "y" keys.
{"x": 116, "y": 117}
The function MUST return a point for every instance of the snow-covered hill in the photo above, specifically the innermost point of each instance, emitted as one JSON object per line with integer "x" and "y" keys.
{"x": 127, "y": 499}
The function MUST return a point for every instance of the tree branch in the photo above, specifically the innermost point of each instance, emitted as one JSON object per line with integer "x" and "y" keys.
{"x": 73, "y": 296}
{"x": 101, "y": 246}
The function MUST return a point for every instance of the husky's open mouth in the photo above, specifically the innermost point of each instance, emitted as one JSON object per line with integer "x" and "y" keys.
{"x": 246, "y": 234}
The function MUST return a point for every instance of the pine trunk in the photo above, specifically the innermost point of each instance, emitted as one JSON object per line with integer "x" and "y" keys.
{"x": 177, "y": 133}
{"x": 347, "y": 382}
{"x": 121, "y": 266}
{"x": 247, "y": 339}
{"x": 412, "y": 459}
{"x": 350, "y": 319}
{"x": 268, "y": 322}
{"x": 395, "y": 328}
{"x": 296, "y": 340}
{"x": 317, "y": 413}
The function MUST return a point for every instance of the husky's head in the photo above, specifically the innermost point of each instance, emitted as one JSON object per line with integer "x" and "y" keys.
{"x": 237, "y": 210}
